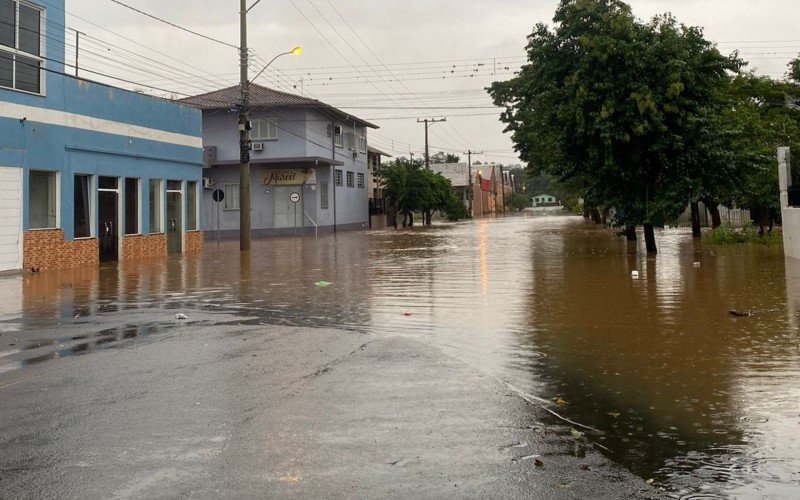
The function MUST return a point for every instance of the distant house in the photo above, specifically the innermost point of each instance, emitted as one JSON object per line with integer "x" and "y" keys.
{"x": 545, "y": 200}
{"x": 301, "y": 148}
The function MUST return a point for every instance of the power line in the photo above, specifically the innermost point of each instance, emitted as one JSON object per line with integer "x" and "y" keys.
{"x": 169, "y": 23}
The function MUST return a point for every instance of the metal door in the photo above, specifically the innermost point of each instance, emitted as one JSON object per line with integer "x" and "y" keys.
{"x": 174, "y": 223}
{"x": 287, "y": 214}
{"x": 108, "y": 212}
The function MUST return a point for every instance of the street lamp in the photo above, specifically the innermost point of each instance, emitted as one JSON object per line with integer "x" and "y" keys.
{"x": 294, "y": 52}
{"x": 244, "y": 132}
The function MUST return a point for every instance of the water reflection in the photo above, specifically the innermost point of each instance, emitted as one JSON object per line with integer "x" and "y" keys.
{"x": 682, "y": 391}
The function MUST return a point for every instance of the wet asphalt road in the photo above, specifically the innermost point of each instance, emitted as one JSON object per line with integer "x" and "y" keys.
{"x": 261, "y": 411}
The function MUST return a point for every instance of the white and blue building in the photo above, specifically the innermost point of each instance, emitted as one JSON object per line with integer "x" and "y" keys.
{"x": 309, "y": 163}
{"x": 88, "y": 172}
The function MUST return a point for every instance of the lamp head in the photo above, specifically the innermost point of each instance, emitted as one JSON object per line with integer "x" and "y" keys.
{"x": 297, "y": 51}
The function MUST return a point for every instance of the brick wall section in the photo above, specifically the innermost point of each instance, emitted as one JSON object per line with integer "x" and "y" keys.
{"x": 43, "y": 250}
{"x": 143, "y": 247}
{"x": 195, "y": 242}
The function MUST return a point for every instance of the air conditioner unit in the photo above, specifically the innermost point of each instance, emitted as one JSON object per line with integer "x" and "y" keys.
{"x": 258, "y": 146}
{"x": 207, "y": 183}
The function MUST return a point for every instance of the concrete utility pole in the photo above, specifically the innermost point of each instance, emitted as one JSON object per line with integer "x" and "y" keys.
{"x": 428, "y": 121}
{"x": 244, "y": 137}
{"x": 469, "y": 173}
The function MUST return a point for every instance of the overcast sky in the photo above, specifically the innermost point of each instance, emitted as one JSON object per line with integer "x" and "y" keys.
{"x": 432, "y": 46}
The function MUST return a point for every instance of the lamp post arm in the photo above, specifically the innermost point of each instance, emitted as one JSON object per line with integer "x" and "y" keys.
{"x": 268, "y": 64}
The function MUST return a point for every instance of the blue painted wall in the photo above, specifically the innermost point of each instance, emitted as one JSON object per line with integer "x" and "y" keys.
{"x": 31, "y": 145}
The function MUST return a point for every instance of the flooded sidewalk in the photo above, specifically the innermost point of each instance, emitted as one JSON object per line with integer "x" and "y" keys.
{"x": 666, "y": 382}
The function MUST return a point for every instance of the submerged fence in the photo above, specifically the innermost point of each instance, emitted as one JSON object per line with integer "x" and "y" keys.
{"x": 736, "y": 217}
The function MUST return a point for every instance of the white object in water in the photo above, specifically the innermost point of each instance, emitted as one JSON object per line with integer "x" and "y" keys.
{"x": 635, "y": 275}
{"x": 696, "y": 264}
{"x": 181, "y": 316}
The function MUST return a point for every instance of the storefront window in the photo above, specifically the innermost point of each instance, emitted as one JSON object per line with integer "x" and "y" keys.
{"x": 131, "y": 206}
{"x": 83, "y": 206}
{"x": 42, "y": 200}
{"x": 191, "y": 206}
{"x": 155, "y": 195}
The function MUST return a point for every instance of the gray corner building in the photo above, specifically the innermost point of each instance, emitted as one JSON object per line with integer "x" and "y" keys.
{"x": 308, "y": 163}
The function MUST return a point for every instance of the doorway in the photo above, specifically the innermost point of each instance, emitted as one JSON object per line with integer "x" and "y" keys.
{"x": 287, "y": 213}
{"x": 174, "y": 217}
{"x": 108, "y": 215}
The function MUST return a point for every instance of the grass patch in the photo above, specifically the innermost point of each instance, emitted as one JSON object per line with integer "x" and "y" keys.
{"x": 728, "y": 235}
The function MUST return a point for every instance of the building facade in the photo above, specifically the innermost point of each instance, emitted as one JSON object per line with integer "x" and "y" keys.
{"x": 308, "y": 164}
{"x": 88, "y": 172}
{"x": 378, "y": 211}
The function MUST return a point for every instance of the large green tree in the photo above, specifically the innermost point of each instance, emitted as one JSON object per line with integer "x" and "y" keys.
{"x": 760, "y": 118}
{"x": 619, "y": 107}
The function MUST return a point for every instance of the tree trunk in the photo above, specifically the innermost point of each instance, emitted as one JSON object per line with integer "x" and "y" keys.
{"x": 696, "y": 230}
{"x": 650, "y": 239}
{"x": 586, "y": 213}
{"x": 410, "y": 219}
{"x": 405, "y": 219}
{"x": 630, "y": 233}
{"x": 713, "y": 209}
{"x": 605, "y": 216}
{"x": 596, "y": 217}
{"x": 772, "y": 217}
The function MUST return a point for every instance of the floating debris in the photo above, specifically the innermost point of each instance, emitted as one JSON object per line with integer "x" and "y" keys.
{"x": 181, "y": 316}
{"x": 323, "y": 284}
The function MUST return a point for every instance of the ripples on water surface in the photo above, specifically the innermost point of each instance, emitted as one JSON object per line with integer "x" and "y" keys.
{"x": 705, "y": 403}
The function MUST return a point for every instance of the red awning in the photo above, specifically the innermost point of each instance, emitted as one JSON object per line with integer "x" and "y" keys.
{"x": 486, "y": 185}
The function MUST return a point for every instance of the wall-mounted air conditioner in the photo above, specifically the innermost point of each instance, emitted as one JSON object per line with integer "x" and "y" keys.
{"x": 207, "y": 183}
{"x": 258, "y": 146}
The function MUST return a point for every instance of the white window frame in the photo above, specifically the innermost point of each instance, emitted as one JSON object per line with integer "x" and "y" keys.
{"x": 229, "y": 187}
{"x": 139, "y": 210}
{"x": 264, "y": 129}
{"x": 361, "y": 180}
{"x": 14, "y": 51}
{"x": 324, "y": 195}
{"x": 92, "y": 207}
{"x": 196, "y": 204}
{"x": 57, "y": 200}
{"x": 338, "y": 177}
{"x": 351, "y": 179}
{"x": 160, "y": 207}
{"x": 338, "y": 136}
{"x": 362, "y": 143}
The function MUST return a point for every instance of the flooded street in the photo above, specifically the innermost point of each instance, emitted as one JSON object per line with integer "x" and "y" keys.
{"x": 680, "y": 391}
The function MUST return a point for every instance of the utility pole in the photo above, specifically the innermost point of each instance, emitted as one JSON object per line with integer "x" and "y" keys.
{"x": 244, "y": 137}
{"x": 412, "y": 156}
{"x": 469, "y": 173}
{"x": 503, "y": 187}
{"x": 428, "y": 121}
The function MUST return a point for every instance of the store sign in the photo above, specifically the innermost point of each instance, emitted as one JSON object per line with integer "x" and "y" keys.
{"x": 289, "y": 177}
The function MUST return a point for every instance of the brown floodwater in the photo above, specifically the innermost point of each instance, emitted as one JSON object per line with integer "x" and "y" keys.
{"x": 704, "y": 403}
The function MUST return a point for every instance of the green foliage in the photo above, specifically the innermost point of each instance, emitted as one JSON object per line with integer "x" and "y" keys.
{"x": 794, "y": 70}
{"x": 727, "y": 235}
{"x": 409, "y": 187}
{"x": 619, "y": 107}
{"x": 759, "y": 122}
{"x": 520, "y": 202}
{"x": 442, "y": 157}
{"x": 456, "y": 210}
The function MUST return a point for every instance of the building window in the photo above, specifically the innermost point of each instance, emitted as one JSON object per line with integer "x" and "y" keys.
{"x": 131, "y": 206}
{"x": 350, "y": 137}
{"x": 350, "y": 177}
{"x": 362, "y": 144}
{"x": 323, "y": 195}
{"x": 264, "y": 129}
{"x": 20, "y": 46}
{"x": 191, "y": 206}
{"x": 338, "y": 177}
{"x": 83, "y": 206}
{"x": 338, "y": 136}
{"x": 361, "y": 180}
{"x": 42, "y": 200}
{"x": 155, "y": 194}
{"x": 231, "y": 197}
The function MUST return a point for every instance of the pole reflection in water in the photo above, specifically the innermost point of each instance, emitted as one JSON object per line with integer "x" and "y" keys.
{"x": 683, "y": 392}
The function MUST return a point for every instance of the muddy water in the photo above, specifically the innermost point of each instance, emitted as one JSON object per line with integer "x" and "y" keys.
{"x": 682, "y": 392}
